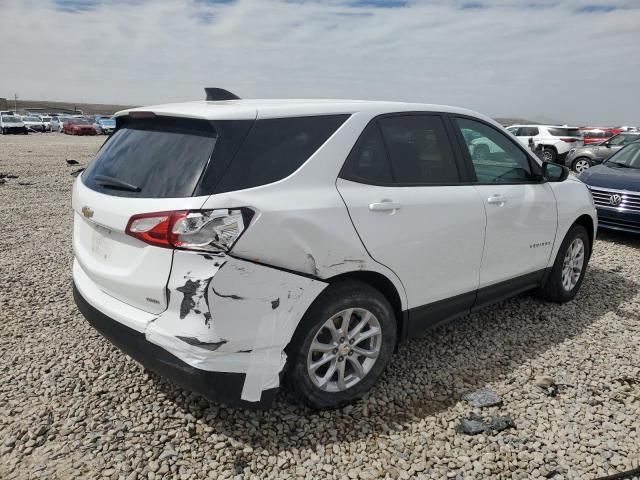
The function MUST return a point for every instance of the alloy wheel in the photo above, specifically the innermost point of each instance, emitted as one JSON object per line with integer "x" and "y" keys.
{"x": 573, "y": 264}
{"x": 344, "y": 350}
{"x": 581, "y": 166}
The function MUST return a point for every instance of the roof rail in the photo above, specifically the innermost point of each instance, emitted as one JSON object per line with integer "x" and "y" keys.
{"x": 217, "y": 94}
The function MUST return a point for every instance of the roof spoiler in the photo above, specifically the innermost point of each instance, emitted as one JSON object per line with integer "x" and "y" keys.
{"x": 217, "y": 94}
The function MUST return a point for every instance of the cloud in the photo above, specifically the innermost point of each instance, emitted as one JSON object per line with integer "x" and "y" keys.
{"x": 564, "y": 60}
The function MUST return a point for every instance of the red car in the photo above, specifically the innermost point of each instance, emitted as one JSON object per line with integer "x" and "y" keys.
{"x": 597, "y": 135}
{"x": 78, "y": 126}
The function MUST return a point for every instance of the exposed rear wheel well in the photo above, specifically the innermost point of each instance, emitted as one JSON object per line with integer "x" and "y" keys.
{"x": 384, "y": 286}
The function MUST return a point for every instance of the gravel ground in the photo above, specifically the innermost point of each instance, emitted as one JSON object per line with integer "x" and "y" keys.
{"x": 71, "y": 405}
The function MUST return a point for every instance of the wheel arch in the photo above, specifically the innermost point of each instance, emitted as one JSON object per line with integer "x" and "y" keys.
{"x": 383, "y": 285}
{"x": 587, "y": 222}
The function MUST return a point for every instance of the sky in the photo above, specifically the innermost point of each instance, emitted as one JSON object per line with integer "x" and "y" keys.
{"x": 570, "y": 61}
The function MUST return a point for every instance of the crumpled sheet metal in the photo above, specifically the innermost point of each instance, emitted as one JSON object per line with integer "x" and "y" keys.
{"x": 230, "y": 315}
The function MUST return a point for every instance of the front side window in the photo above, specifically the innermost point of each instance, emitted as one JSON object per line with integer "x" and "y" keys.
{"x": 495, "y": 157}
{"x": 419, "y": 150}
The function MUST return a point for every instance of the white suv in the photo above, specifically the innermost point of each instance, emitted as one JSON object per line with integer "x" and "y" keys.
{"x": 555, "y": 141}
{"x": 232, "y": 245}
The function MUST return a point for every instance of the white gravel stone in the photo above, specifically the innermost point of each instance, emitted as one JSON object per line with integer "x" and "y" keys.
{"x": 73, "y": 406}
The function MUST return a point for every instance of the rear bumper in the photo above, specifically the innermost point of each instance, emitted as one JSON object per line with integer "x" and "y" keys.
{"x": 223, "y": 387}
{"x": 15, "y": 129}
{"x": 224, "y": 315}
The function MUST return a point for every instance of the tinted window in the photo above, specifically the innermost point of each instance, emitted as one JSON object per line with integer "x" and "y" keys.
{"x": 565, "y": 132}
{"x": 160, "y": 158}
{"x": 528, "y": 131}
{"x": 419, "y": 150}
{"x": 275, "y": 148}
{"x": 496, "y": 158}
{"x": 368, "y": 161}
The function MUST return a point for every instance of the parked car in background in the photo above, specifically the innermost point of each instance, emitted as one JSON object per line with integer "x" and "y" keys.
{"x": 615, "y": 187}
{"x": 46, "y": 119}
{"x": 579, "y": 159}
{"x": 555, "y": 141}
{"x": 57, "y": 123}
{"x": 34, "y": 123}
{"x": 11, "y": 124}
{"x": 320, "y": 237}
{"x": 79, "y": 126}
{"x": 598, "y": 135}
{"x": 105, "y": 126}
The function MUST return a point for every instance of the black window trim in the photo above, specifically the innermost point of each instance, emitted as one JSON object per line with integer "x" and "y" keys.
{"x": 462, "y": 146}
{"x": 450, "y": 134}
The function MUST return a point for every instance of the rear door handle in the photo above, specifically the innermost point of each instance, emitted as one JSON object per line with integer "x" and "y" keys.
{"x": 497, "y": 200}
{"x": 384, "y": 206}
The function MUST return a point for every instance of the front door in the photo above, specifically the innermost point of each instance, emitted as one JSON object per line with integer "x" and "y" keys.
{"x": 403, "y": 189}
{"x": 520, "y": 209}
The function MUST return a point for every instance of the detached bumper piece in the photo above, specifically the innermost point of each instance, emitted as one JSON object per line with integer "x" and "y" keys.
{"x": 219, "y": 387}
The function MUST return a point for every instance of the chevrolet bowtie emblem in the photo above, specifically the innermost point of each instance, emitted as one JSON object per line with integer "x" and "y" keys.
{"x": 87, "y": 212}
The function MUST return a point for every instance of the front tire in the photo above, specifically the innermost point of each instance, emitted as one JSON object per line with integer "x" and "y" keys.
{"x": 581, "y": 164}
{"x": 570, "y": 266}
{"x": 342, "y": 345}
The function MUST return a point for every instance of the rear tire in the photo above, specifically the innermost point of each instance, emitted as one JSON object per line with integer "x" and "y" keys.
{"x": 581, "y": 164}
{"x": 570, "y": 266}
{"x": 549, "y": 154}
{"x": 328, "y": 346}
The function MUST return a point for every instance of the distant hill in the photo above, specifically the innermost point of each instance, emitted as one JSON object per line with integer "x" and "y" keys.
{"x": 86, "y": 108}
{"x": 107, "y": 109}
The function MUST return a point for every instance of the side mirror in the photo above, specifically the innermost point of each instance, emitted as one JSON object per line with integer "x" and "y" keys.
{"x": 553, "y": 172}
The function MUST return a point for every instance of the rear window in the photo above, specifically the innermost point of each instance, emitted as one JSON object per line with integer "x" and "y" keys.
{"x": 565, "y": 132}
{"x": 275, "y": 148}
{"x": 153, "y": 159}
{"x": 175, "y": 158}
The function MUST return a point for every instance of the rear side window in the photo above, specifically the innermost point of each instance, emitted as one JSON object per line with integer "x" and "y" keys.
{"x": 419, "y": 150}
{"x": 565, "y": 132}
{"x": 368, "y": 161}
{"x": 154, "y": 159}
{"x": 275, "y": 148}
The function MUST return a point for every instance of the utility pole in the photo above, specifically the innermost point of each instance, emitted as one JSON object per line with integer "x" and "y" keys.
{"x": 15, "y": 102}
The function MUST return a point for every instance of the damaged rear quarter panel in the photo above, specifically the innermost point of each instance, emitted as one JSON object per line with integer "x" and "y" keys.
{"x": 220, "y": 305}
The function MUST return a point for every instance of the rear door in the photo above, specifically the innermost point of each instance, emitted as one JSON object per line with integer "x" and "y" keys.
{"x": 520, "y": 209}
{"x": 146, "y": 166}
{"x": 415, "y": 214}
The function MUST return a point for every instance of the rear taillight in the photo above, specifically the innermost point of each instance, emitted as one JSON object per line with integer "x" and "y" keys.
{"x": 569, "y": 139}
{"x": 206, "y": 230}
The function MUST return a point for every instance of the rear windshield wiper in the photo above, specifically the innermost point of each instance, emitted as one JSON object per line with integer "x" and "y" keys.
{"x": 115, "y": 183}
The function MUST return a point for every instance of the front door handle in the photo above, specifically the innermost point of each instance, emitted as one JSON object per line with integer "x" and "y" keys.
{"x": 497, "y": 200}
{"x": 384, "y": 206}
